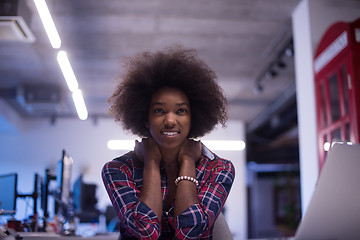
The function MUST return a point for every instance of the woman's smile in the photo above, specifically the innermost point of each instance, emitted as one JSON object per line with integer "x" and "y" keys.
{"x": 170, "y": 133}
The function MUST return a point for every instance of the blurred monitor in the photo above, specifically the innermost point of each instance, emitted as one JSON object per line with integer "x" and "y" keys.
{"x": 45, "y": 191}
{"x": 63, "y": 177}
{"x": 8, "y": 193}
{"x": 84, "y": 199}
{"x": 84, "y": 196}
{"x": 78, "y": 194}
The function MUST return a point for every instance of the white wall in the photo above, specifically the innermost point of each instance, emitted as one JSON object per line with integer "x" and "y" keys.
{"x": 236, "y": 205}
{"x": 39, "y": 145}
{"x": 310, "y": 20}
{"x": 305, "y": 102}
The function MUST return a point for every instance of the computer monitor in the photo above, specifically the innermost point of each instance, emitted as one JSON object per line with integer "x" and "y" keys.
{"x": 78, "y": 196}
{"x": 62, "y": 192}
{"x": 8, "y": 193}
{"x": 45, "y": 191}
{"x": 84, "y": 196}
{"x": 63, "y": 177}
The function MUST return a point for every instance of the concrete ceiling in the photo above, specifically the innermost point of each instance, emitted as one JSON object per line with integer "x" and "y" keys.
{"x": 239, "y": 39}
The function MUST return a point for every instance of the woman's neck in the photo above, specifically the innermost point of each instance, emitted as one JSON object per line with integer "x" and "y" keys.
{"x": 169, "y": 156}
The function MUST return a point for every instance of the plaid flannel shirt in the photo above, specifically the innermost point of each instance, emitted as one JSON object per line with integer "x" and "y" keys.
{"x": 123, "y": 183}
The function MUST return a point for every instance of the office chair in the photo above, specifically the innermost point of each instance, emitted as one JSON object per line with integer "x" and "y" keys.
{"x": 221, "y": 229}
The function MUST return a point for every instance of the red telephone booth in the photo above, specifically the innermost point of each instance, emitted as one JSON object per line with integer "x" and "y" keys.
{"x": 337, "y": 86}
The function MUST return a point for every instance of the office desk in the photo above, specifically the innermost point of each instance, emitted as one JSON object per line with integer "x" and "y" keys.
{"x": 109, "y": 236}
{"x": 53, "y": 236}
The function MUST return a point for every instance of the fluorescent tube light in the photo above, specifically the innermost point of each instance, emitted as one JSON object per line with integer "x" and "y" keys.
{"x": 80, "y": 104}
{"x": 225, "y": 145}
{"x": 67, "y": 71}
{"x": 121, "y": 144}
{"x": 48, "y": 23}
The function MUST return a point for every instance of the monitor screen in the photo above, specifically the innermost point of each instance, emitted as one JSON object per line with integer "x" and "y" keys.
{"x": 84, "y": 201}
{"x": 8, "y": 193}
{"x": 84, "y": 196}
{"x": 77, "y": 194}
{"x": 64, "y": 177}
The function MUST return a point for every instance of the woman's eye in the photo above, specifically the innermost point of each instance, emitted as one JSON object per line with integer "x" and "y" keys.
{"x": 182, "y": 110}
{"x": 158, "y": 110}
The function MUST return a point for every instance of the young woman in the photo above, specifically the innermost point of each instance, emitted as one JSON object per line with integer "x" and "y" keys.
{"x": 171, "y": 186}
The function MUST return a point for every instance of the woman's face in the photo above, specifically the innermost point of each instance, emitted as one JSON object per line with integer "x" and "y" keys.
{"x": 169, "y": 117}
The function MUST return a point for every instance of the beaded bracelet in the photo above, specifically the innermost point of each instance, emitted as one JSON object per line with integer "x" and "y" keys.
{"x": 191, "y": 179}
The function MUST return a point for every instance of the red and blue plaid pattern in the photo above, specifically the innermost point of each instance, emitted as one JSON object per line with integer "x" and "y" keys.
{"x": 123, "y": 182}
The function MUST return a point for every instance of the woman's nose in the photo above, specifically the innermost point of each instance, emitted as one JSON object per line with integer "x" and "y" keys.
{"x": 170, "y": 120}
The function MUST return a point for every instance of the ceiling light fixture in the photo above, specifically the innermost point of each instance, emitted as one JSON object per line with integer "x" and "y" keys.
{"x": 258, "y": 88}
{"x": 225, "y": 145}
{"x": 121, "y": 144}
{"x": 73, "y": 85}
{"x": 48, "y": 23}
{"x": 289, "y": 52}
{"x": 281, "y": 64}
{"x": 67, "y": 71}
{"x": 269, "y": 72}
{"x": 80, "y": 104}
{"x": 62, "y": 59}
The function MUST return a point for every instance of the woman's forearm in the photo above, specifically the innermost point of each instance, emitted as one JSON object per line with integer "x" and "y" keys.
{"x": 186, "y": 192}
{"x": 151, "y": 189}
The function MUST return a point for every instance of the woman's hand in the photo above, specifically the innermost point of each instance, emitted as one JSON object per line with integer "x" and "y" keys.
{"x": 186, "y": 191}
{"x": 147, "y": 150}
{"x": 190, "y": 151}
